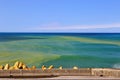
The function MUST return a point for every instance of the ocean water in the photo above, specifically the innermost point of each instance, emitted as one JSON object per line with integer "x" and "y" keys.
{"x": 84, "y": 50}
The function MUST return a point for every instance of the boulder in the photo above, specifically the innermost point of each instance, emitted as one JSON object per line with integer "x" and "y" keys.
{"x": 7, "y": 66}
{"x": 50, "y": 67}
{"x": 1, "y": 67}
{"x": 60, "y": 67}
{"x": 16, "y": 64}
{"x": 43, "y": 67}
{"x": 24, "y": 66}
{"x": 12, "y": 68}
{"x": 33, "y": 67}
{"x": 20, "y": 65}
{"x": 75, "y": 67}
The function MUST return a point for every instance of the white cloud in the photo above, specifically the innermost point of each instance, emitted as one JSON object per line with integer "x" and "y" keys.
{"x": 58, "y": 27}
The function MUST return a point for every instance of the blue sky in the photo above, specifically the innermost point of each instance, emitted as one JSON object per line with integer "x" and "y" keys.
{"x": 59, "y": 15}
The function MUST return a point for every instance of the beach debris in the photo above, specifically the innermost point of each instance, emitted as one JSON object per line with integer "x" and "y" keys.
{"x": 51, "y": 67}
{"x": 43, "y": 67}
{"x": 7, "y": 66}
{"x": 75, "y": 67}
{"x": 60, "y": 67}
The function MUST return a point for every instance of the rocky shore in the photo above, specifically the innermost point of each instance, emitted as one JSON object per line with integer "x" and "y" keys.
{"x": 20, "y": 70}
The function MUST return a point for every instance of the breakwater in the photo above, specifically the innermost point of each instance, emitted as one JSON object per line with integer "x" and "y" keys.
{"x": 103, "y": 72}
{"x": 19, "y": 69}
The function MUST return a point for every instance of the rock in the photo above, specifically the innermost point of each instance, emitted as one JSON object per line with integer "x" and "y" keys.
{"x": 20, "y": 65}
{"x": 50, "y": 67}
{"x": 1, "y": 67}
{"x": 33, "y": 67}
{"x": 25, "y": 69}
{"x": 60, "y": 67}
{"x": 75, "y": 67}
{"x": 43, "y": 67}
{"x": 12, "y": 68}
{"x": 16, "y": 68}
{"x": 24, "y": 66}
{"x": 16, "y": 64}
{"x": 6, "y": 67}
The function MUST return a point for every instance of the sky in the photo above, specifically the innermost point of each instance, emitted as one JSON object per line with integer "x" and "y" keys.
{"x": 81, "y": 16}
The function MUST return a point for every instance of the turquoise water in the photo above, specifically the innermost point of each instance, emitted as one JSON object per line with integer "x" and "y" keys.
{"x": 61, "y": 49}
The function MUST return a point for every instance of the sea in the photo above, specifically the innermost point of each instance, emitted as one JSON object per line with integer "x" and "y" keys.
{"x": 84, "y": 50}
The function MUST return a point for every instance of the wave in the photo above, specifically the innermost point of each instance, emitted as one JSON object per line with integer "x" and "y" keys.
{"x": 117, "y": 65}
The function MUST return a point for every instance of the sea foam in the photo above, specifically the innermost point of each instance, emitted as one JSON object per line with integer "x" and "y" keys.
{"x": 116, "y": 65}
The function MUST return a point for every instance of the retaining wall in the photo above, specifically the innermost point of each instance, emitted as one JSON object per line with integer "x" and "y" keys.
{"x": 105, "y": 72}
{"x": 64, "y": 72}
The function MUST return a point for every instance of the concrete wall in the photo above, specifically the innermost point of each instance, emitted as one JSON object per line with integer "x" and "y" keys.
{"x": 73, "y": 72}
{"x": 63, "y": 72}
{"x": 39, "y": 72}
{"x": 105, "y": 72}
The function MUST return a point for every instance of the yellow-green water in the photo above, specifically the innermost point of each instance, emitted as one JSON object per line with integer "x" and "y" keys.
{"x": 68, "y": 50}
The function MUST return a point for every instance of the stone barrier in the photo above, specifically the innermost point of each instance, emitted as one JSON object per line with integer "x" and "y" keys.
{"x": 107, "y": 72}
{"x": 4, "y": 73}
{"x": 15, "y": 73}
{"x": 47, "y": 72}
{"x": 73, "y": 72}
